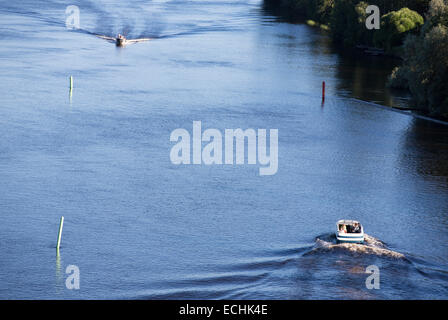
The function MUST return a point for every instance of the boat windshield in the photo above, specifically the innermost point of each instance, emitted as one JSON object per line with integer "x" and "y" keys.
{"x": 350, "y": 228}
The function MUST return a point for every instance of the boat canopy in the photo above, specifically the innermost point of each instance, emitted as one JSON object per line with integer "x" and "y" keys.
{"x": 347, "y": 222}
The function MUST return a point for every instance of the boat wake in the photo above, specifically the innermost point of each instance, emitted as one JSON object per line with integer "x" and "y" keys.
{"x": 140, "y": 22}
{"x": 371, "y": 246}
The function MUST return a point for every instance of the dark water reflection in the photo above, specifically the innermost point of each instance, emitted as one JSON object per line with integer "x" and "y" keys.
{"x": 140, "y": 227}
{"x": 365, "y": 77}
{"x": 432, "y": 141}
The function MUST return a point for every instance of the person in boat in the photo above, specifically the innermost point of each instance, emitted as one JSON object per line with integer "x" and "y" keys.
{"x": 357, "y": 228}
{"x": 120, "y": 40}
{"x": 342, "y": 228}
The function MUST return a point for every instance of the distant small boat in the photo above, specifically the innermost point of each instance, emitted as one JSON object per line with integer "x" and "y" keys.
{"x": 121, "y": 41}
{"x": 349, "y": 231}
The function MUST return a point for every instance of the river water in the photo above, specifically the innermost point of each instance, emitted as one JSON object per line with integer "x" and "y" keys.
{"x": 139, "y": 227}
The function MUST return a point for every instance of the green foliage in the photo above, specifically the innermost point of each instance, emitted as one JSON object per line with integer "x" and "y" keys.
{"x": 398, "y": 79}
{"x": 363, "y": 35}
{"x": 425, "y": 67}
{"x": 346, "y": 18}
{"x": 421, "y": 6}
{"x": 344, "y": 22}
{"x": 395, "y": 26}
{"x": 437, "y": 14}
{"x": 324, "y": 10}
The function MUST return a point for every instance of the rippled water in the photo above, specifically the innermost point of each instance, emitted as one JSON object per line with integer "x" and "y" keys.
{"x": 138, "y": 226}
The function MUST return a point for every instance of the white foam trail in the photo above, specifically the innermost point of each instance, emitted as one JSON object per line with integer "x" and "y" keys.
{"x": 371, "y": 246}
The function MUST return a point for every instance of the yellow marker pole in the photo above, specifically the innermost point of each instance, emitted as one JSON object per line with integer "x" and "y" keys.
{"x": 61, "y": 224}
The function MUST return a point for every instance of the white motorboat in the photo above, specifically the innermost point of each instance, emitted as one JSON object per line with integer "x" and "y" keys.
{"x": 349, "y": 231}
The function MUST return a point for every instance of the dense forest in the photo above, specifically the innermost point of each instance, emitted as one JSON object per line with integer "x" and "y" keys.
{"x": 415, "y": 30}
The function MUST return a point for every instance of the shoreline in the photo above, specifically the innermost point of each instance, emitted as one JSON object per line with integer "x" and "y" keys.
{"x": 403, "y": 111}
